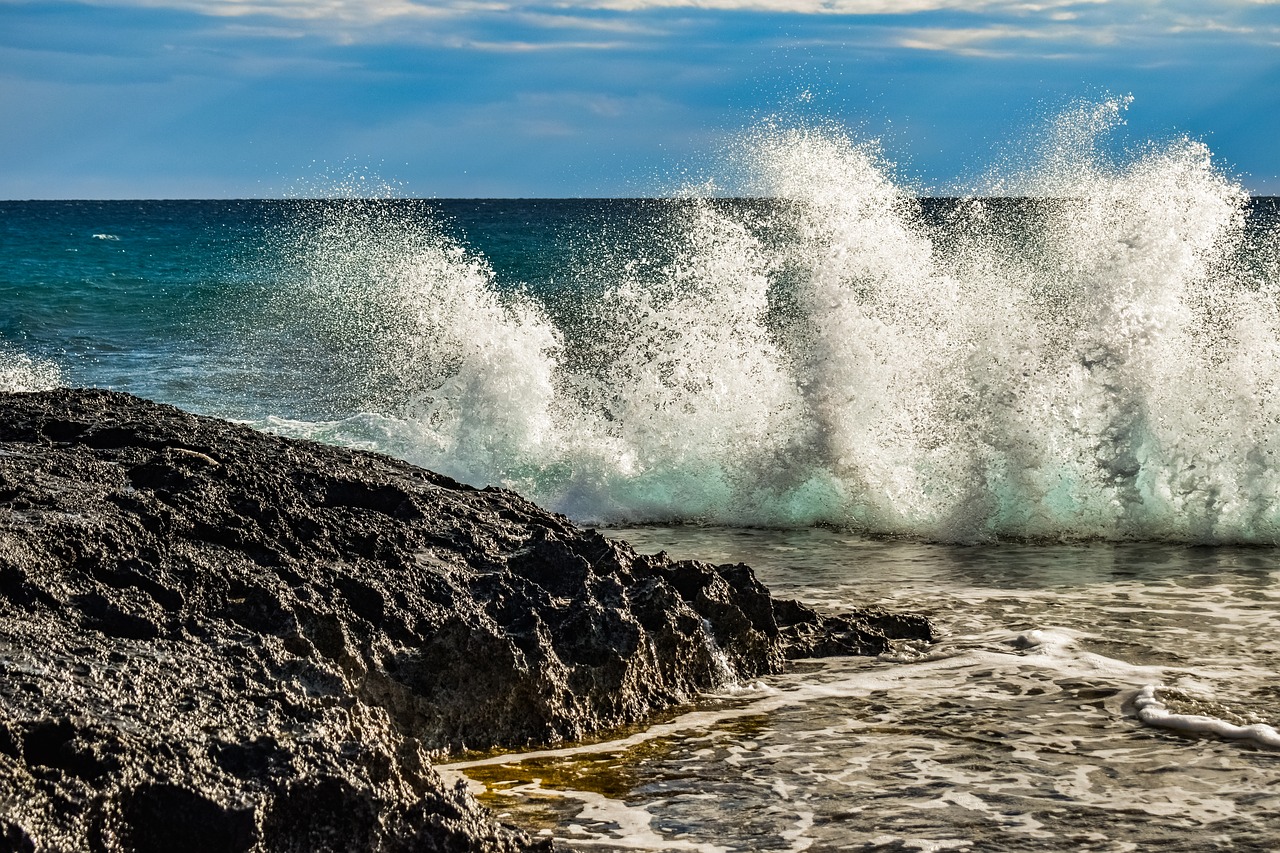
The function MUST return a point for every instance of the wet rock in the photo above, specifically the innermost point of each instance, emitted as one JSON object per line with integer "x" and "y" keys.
{"x": 217, "y": 639}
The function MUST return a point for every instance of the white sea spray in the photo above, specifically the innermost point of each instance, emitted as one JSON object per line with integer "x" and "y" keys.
{"x": 1089, "y": 359}
{"x": 20, "y": 372}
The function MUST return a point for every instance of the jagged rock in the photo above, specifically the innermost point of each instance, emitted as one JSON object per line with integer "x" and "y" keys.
{"x": 217, "y": 639}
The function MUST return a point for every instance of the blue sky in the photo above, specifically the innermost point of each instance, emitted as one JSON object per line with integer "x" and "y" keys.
{"x": 228, "y": 98}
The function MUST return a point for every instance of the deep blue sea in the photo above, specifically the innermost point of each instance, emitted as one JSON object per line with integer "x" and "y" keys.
{"x": 1049, "y": 419}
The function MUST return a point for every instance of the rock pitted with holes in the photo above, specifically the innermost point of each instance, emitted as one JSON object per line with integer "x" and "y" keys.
{"x": 216, "y": 639}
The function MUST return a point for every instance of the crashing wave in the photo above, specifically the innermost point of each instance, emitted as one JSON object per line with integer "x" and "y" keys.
{"x": 1095, "y": 358}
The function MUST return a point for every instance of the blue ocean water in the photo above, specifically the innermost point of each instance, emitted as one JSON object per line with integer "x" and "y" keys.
{"x": 1046, "y": 415}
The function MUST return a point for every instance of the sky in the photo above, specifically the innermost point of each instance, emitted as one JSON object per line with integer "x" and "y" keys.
{"x": 534, "y": 98}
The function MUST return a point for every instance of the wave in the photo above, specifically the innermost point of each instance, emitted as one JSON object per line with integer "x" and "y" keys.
{"x": 1095, "y": 356}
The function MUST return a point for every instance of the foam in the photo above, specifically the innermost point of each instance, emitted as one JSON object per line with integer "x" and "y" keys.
{"x": 628, "y": 827}
{"x": 918, "y": 742}
{"x": 1152, "y": 710}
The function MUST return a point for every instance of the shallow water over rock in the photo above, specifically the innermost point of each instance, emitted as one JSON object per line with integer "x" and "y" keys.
{"x": 1018, "y": 731}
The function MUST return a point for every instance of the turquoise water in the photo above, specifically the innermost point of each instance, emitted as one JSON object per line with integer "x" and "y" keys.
{"x": 167, "y": 299}
{"x": 1049, "y": 420}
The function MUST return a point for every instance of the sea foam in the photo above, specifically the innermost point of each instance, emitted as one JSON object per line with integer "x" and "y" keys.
{"x": 1177, "y": 711}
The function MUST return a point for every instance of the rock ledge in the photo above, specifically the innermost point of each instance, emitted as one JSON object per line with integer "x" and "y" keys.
{"x": 213, "y": 639}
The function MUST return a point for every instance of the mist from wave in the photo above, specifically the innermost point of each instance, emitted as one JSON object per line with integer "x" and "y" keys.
{"x": 1089, "y": 351}
{"x": 20, "y": 372}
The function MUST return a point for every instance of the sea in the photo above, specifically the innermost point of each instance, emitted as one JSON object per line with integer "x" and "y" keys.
{"x": 1045, "y": 414}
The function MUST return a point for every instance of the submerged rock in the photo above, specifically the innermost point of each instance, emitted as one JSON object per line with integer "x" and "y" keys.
{"x": 218, "y": 639}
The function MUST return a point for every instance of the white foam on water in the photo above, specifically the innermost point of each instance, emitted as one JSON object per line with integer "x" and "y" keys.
{"x": 415, "y": 325}
{"x": 1151, "y": 709}
{"x": 614, "y": 823}
{"x": 876, "y": 735}
{"x": 925, "y": 845}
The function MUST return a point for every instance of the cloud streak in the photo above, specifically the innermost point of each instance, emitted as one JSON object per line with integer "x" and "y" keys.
{"x": 1002, "y": 41}
{"x": 991, "y": 29}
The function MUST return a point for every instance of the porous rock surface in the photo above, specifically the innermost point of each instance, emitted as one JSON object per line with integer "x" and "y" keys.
{"x": 214, "y": 639}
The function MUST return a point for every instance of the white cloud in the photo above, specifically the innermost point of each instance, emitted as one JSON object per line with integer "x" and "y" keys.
{"x": 350, "y": 12}
{"x": 612, "y": 24}
{"x": 984, "y": 41}
{"x": 1208, "y": 25}
{"x": 834, "y": 7}
{"x": 978, "y": 28}
{"x": 372, "y": 12}
{"x": 279, "y": 31}
{"x": 529, "y": 46}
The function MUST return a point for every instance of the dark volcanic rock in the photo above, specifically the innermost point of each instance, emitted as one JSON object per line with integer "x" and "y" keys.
{"x": 217, "y": 639}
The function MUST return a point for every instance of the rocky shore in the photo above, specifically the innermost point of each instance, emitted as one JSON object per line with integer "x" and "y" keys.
{"x": 214, "y": 639}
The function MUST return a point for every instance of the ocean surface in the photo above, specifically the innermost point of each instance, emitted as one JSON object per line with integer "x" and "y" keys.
{"x": 1046, "y": 415}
